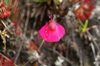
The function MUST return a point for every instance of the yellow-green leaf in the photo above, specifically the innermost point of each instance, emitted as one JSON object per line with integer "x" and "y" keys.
{"x": 41, "y": 1}
{"x": 56, "y": 2}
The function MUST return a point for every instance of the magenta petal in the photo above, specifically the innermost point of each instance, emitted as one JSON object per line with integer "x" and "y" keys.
{"x": 52, "y": 35}
{"x": 61, "y": 30}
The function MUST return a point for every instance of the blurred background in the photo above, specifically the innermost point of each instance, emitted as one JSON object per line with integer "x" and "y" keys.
{"x": 22, "y": 45}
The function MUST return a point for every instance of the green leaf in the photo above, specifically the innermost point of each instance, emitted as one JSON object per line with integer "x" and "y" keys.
{"x": 6, "y": 2}
{"x": 80, "y": 27}
{"x": 85, "y": 26}
{"x": 10, "y": 2}
{"x": 41, "y": 1}
{"x": 56, "y": 2}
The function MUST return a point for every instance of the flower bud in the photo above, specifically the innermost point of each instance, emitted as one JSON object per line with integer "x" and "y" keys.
{"x": 51, "y": 24}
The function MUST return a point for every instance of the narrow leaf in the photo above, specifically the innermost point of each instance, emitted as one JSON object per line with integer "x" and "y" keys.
{"x": 10, "y": 2}
{"x": 6, "y": 2}
{"x": 41, "y": 1}
{"x": 85, "y": 26}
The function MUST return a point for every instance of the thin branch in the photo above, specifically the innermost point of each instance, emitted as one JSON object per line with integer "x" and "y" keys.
{"x": 18, "y": 52}
{"x": 4, "y": 47}
{"x": 6, "y": 26}
{"x": 15, "y": 3}
{"x": 93, "y": 49}
{"x": 28, "y": 61}
{"x": 41, "y": 45}
{"x": 66, "y": 59}
{"x": 6, "y": 58}
{"x": 27, "y": 19}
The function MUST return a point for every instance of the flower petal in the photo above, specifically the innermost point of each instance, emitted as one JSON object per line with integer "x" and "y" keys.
{"x": 52, "y": 35}
{"x": 61, "y": 30}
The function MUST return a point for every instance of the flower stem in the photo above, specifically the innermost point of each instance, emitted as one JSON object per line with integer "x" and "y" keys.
{"x": 41, "y": 45}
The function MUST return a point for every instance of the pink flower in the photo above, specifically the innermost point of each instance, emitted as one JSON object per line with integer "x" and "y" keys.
{"x": 52, "y": 32}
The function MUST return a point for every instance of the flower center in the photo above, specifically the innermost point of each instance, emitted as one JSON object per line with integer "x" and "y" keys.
{"x": 51, "y": 24}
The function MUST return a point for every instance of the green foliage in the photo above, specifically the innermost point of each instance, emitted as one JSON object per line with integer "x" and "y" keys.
{"x": 41, "y": 1}
{"x": 8, "y": 2}
{"x": 85, "y": 27}
{"x": 56, "y": 2}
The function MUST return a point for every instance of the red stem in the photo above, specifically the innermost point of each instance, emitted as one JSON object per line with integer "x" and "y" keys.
{"x": 15, "y": 5}
{"x": 3, "y": 1}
